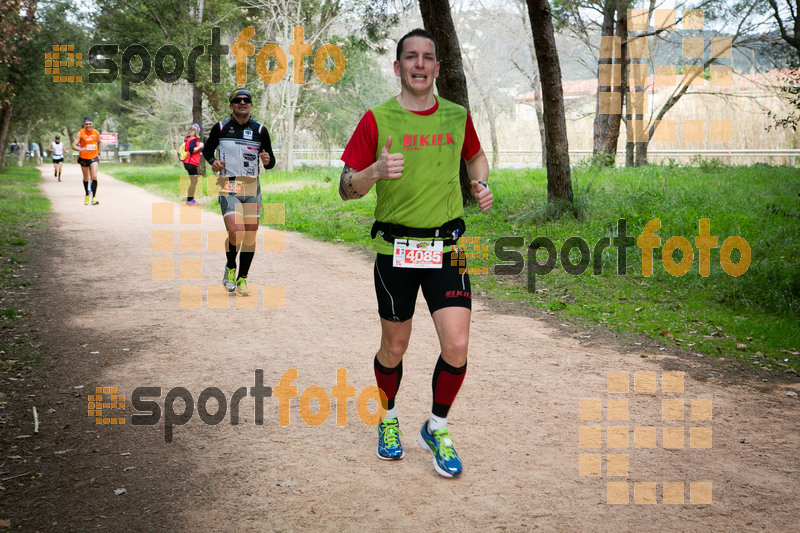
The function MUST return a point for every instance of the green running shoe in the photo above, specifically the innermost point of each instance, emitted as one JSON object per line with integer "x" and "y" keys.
{"x": 241, "y": 287}
{"x": 229, "y": 279}
{"x": 389, "y": 447}
{"x": 445, "y": 459}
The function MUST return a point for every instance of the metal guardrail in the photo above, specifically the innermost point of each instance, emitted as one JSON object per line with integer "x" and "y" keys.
{"x": 533, "y": 158}
{"x": 129, "y": 156}
{"x": 688, "y": 155}
{"x": 129, "y": 152}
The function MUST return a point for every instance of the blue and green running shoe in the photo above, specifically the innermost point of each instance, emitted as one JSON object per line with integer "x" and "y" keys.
{"x": 389, "y": 447}
{"x": 445, "y": 459}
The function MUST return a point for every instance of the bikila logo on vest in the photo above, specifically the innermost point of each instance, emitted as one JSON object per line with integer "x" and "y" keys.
{"x": 416, "y": 142}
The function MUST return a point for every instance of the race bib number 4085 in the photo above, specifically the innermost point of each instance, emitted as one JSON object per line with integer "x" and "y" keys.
{"x": 418, "y": 254}
{"x": 231, "y": 186}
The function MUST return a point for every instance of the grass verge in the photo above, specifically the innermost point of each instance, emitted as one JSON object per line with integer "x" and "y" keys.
{"x": 24, "y": 210}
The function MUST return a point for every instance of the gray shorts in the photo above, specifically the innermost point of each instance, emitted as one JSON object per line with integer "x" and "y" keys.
{"x": 244, "y": 198}
{"x": 247, "y": 206}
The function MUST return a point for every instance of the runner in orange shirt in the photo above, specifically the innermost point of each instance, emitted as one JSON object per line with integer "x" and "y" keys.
{"x": 88, "y": 145}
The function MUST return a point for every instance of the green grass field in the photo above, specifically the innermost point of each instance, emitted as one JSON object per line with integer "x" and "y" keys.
{"x": 24, "y": 210}
{"x": 751, "y": 319}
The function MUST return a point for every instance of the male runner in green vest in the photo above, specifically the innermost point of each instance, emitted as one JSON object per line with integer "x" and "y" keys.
{"x": 410, "y": 148}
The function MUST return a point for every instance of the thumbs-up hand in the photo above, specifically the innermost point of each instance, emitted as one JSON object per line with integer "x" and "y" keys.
{"x": 389, "y": 166}
{"x": 482, "y": 194}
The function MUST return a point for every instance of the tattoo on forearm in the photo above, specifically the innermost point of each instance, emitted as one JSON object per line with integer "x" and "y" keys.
{"x": 346, "y": 189}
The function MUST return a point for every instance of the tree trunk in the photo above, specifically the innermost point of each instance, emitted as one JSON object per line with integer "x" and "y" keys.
{"x": 37, "y": 155}
{"x": 629, "y": 150}
{"x": 24, "y": 148}
{"x": 196, "y": 12}
{"x": 615, "y": 120}
{"x": 493, "y": 134}
{"x": 486, "y": 98}
{"x": 601, "y": 120}
{"x": 452, "y": 84}
{"x": 641, "y": 154}
{"x": 197, "y": 106}
{"x": 5, "y": 121}
{"x": 641, "y": 136}
{"x": 537, "y": 105}
{"x": 559, "y": 183}
{"x": 536, "y": 87}
{"x": 291, "y": 98}
{"x": 68, "y": 147}
{"x": 629, "y": 127}
{"x": 197, "y": 118}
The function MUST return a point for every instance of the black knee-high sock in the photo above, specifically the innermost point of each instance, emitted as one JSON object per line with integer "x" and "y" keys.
{"x": 230, "y": 254}
{"x": 244, "y": 264}
{"x": 94, "y": 187}
{"x": 388, "y": 380}
{"x": 446, "y": 382}
{"x": 86, "y": 187}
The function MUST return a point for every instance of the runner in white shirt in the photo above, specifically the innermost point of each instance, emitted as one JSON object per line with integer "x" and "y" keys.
{"x": 57, "y": 151}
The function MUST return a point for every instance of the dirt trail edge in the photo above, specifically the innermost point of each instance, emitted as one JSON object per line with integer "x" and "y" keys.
{"x": 534, "y": 414}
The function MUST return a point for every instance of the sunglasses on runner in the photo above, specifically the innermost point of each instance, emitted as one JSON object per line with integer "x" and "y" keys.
{"x": 241, "y": 101}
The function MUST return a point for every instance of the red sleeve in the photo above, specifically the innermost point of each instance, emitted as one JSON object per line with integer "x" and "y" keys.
{"x": 471, "y": 143}
{"x": 360, "y": 150}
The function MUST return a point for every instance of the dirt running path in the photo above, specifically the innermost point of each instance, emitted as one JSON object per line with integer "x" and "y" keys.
{"x": 516, "y": 421}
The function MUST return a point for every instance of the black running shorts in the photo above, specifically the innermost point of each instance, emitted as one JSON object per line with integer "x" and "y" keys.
{"x": 397, "y": 288}
{"x": 87, "y": 162}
